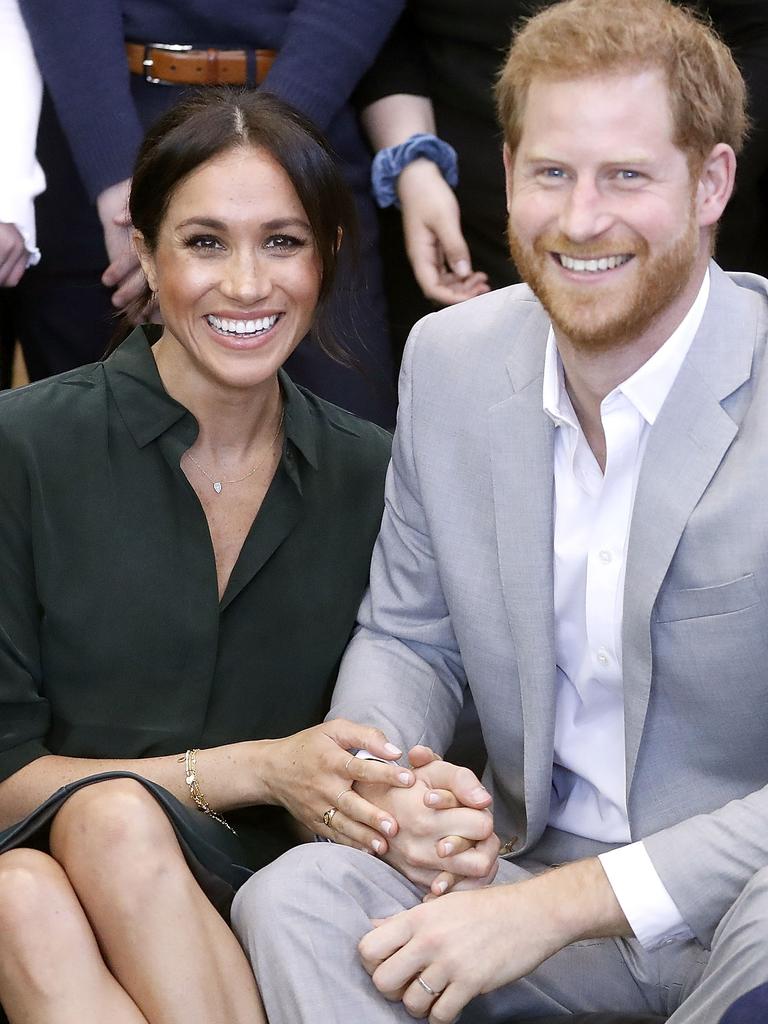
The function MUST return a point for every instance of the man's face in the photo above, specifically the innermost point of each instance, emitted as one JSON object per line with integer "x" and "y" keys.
{"x": 603, "y": 220}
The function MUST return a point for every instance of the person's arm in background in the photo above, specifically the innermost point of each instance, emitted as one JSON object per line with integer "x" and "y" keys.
{"x": 79, "y": 47}
{"x": 327, "y": 48}
{"x": 21, "y": 178}
{"x": 394, "y": 98}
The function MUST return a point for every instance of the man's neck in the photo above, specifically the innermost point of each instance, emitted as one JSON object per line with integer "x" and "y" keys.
{"x": 590, "y": 376}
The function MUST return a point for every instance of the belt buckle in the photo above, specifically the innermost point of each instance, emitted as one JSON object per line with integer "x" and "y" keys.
{"x": 147, "y": 63}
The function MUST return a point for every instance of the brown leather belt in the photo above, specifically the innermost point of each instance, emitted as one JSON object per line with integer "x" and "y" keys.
{"x": 170, "y": 64}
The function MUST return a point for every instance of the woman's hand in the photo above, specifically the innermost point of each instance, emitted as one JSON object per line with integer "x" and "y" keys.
{"x": 313, "y": 772}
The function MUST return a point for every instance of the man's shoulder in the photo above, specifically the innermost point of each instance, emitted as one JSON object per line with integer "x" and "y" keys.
{"x": 490, "y": 328}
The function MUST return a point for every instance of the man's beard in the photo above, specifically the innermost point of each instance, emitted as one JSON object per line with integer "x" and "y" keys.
{"x": 604, "y": 317}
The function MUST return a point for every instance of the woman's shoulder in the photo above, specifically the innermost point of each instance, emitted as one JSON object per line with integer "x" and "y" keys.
{"x": 46, "y": 405}
{"x": 337, "y": 433}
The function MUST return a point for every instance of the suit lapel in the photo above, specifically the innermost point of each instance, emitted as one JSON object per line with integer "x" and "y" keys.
{"x": 522, "y": 473}
{"x": 685, "y": 447}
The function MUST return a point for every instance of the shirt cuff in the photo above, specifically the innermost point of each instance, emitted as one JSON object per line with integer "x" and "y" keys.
{"x": 21, "y": 213}
{"x": 650, "y": 910}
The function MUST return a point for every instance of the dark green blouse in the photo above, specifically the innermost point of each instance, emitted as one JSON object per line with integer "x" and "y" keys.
{"x": 113, "y": 642}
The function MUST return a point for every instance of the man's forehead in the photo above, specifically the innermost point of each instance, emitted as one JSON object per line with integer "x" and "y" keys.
{"x": 621, "y": 103}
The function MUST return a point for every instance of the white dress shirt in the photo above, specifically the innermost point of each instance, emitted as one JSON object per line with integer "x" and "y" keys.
{"x": 21, "y": 177}
{"x": 592, "y": 513}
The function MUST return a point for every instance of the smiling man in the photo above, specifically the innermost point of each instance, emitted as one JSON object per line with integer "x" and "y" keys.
{"x": 574, "y": 529}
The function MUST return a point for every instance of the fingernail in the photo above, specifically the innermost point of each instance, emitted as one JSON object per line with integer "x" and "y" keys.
{"x": 462, "y": 268}
{"x": 392, "y": 750}
{"x": 433, "y": 798}
{"x": 386, "y": 826}
{"x": 405, "y": 778}
{"x": 478, "y": 794}
{"x": 376, "y": 844}
{"x": 447, "y": 849}
{"x": 442, "y": 886}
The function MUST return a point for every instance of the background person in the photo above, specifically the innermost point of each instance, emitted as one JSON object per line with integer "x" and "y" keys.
{"x": 184, "y": 539}
{"x": 21, "y": 178}
{"x": 573, "y": 528}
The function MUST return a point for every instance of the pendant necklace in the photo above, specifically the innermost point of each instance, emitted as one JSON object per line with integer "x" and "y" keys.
{"x": 218, "y": 484}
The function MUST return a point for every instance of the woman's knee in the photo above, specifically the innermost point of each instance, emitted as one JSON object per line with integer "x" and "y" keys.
{"x": 33, "y": 893}
{"x": 110, "y": 822}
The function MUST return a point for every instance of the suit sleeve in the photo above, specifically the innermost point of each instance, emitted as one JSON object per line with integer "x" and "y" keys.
{"x": 729, "y": 845}
{"x": 402, "y": 671}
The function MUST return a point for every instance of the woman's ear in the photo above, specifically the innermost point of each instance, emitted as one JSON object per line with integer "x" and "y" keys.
{"x": 146, "y": 259}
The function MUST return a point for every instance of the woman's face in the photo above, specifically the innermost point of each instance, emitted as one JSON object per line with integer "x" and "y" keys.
{"x": 235, "y": 269}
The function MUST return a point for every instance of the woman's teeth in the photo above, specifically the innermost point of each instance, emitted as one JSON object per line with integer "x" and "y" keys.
{"x": 237, "y": 327}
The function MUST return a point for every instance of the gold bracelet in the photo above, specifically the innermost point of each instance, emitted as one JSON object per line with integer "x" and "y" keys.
{"x": 190, "y": 776}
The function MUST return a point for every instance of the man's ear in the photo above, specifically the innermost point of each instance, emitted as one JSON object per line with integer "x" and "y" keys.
{"x": 146, "y": 259}
{"x": 509, "y": 161}
{"x": 715, "y": 184}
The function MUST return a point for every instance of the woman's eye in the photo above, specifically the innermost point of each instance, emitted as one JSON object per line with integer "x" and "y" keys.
{"x": 204, "y": 243}
{"x": 284, "y": 242}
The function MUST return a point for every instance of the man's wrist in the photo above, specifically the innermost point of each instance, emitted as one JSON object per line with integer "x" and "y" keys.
{"x": 581, "y": 901}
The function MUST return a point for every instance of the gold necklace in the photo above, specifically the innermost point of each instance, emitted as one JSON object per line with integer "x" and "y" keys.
{"x": 218, "y": 484}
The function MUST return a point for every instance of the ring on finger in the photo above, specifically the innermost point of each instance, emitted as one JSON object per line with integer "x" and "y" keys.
{"x": 349, "y": 762}
{"x": 328, "y": 817}
{"x": 426, "y": 987}
{"x": 337, "y": 801}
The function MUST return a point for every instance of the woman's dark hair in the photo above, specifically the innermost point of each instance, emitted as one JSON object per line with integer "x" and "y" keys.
{"x": 215, "y": 120}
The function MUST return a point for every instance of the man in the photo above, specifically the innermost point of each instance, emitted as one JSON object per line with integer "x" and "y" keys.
{"x": 575, "y": 527}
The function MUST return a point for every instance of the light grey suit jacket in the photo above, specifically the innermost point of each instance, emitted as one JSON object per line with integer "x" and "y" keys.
{"x": 462, "y": 585}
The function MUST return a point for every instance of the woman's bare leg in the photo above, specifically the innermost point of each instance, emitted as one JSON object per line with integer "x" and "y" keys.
{"x": 159, "y": 935}
{"x": 51, "y": 971}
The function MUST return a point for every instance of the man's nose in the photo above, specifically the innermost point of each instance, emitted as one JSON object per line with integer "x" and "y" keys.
{"x": 586, "y": 213}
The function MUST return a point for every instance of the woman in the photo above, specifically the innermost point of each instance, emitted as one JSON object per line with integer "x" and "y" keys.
{"x": 184, "y": 540}
{"x": 89, "y": 138}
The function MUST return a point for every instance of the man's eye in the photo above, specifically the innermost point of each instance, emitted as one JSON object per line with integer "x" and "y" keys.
{"x": 552, "y": 173}
{"x": 626, "y": 174}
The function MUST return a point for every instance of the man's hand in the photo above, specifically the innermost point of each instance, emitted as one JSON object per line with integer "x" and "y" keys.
{"x": 124, "y": 273}
{"x": 470, "y": 943}
{"x": 13, "y": 256}
{"x": 437, "y": 250}
{"x": 445, "y": 832}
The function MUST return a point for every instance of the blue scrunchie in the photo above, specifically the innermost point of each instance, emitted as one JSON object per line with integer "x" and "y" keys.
{"x": 388, "y": 163}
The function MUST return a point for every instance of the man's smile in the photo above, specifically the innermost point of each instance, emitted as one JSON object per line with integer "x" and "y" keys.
{"x": 592, "y": 265}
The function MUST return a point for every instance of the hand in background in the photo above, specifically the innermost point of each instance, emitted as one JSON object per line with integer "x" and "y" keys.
{"x": 124, "y": 273}
{"x": 13, "y": 255}
{"x": 437, "y": 249}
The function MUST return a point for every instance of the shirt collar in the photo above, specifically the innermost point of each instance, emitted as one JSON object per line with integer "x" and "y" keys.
{"x": 149, "y": 411}
{"x": 647, "y": 388}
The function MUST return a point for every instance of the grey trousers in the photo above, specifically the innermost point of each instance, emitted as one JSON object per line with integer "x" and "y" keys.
{"x": 301, "y": 918}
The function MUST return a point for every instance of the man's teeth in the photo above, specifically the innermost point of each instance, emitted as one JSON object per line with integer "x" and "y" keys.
{"x": 242, "y": 326}
{"x": 592, "y": 266}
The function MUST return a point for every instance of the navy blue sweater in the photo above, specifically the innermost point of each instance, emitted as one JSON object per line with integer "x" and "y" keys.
{"x": 324, "y": 46}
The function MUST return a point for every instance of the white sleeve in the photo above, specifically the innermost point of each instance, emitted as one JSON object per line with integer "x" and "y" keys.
{"x": 650, "y": 910}
{"x": 21, "y": 90}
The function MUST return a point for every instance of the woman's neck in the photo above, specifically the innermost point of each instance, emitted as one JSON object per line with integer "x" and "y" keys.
{"x": 233, "y": 422}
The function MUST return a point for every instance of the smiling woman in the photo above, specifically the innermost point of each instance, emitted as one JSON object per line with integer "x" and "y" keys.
{"x": 184, "y": 541}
